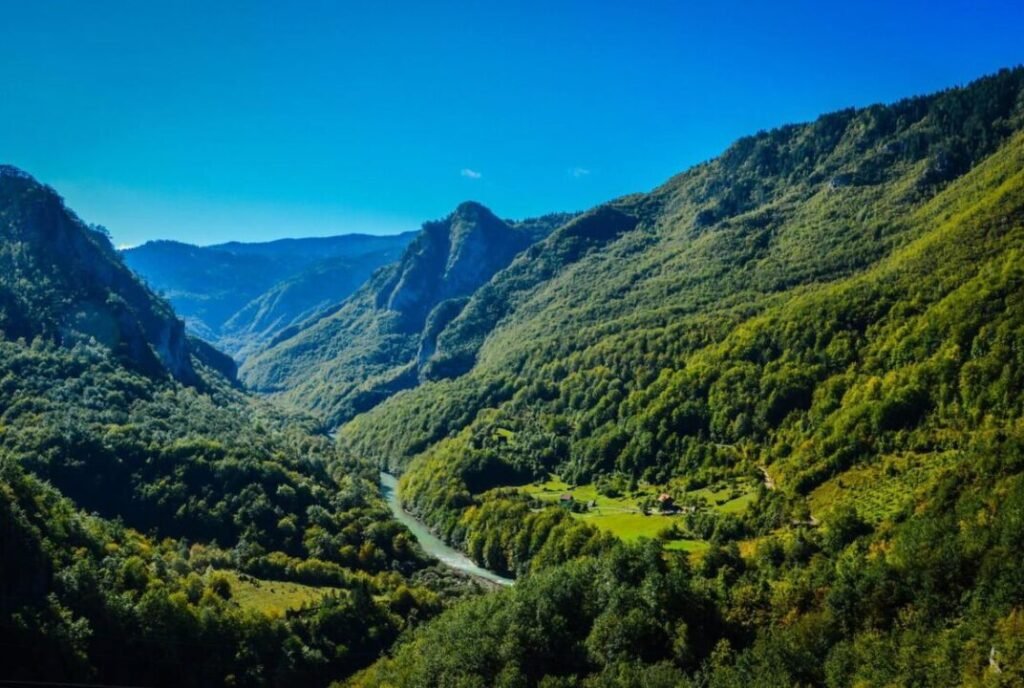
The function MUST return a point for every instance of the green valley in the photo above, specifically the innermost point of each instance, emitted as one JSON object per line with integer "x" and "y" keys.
{"x": 632, "y": 514}
{"x": 762, "y": 425}
{"x": 159, "y": 525}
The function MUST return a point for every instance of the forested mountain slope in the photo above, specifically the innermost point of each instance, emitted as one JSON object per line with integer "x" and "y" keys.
{"x": 297, "y": 299}
{"x": 776, "y": 217}
{"x": 239, "y": 295}
{"x": 829, "y": 310}
{"x": 376, "y": 342}
{"x": 62, "y": 281}
{"x": 796, "y": 366}
{"x": 157, "y": 526}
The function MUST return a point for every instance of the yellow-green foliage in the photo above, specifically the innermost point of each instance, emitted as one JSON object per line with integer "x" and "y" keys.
{"x": 834, "y": 310}
{"x": 272, "y": 598}
{"x": 883, "y": 489}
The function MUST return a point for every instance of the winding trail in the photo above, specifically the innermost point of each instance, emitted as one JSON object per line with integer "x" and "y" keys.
{"x": 431, "y": 543}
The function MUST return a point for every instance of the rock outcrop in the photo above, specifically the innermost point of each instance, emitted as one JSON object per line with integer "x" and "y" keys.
{"x": 72, "y": 286}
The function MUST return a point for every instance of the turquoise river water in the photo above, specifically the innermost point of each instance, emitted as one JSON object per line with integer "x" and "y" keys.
{"x": 430, "y": 542}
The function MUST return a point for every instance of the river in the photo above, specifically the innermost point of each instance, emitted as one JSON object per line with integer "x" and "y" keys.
{"x": 430, "y": 542}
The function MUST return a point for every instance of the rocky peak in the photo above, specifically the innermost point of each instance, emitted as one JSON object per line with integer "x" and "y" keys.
{"x": 450, "y": 258}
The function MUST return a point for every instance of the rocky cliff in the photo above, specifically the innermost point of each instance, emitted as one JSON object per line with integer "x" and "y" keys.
{"x": 65, "y": 282}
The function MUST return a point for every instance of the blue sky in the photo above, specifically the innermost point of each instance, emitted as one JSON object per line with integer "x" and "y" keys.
{"x": 208, "y": 121}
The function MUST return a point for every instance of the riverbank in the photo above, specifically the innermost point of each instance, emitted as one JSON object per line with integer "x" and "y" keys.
{"x": 432, "y": 544}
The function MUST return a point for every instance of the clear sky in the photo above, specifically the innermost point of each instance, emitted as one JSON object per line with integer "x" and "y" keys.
{"x": 207, "y": 121}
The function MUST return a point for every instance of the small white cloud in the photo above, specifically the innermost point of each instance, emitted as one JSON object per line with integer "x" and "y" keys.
{"x": 577, "y": 172}
{"x": 469, "y": 174}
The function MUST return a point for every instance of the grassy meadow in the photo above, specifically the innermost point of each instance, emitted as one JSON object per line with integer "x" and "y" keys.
{"x": 273, "y": 598}
{"x": 624, "y": 515}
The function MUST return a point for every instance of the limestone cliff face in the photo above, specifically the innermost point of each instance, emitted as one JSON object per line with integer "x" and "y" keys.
{"x": 450, "y": 259}
{"x": 451, "y": 348}
{"x": 71, "y": 285}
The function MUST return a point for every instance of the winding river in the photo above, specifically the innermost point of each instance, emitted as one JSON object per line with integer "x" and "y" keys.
{"x": 430, "y": 542}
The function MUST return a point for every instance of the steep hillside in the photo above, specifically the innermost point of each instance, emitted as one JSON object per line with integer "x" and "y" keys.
{"x": 294, "y": 300}
{"x": 143, "y": 498}
{"x": 452, "y": 350}
{"x": 777, "y": 215}
{"x": 346, "y": 361}
{"x": 62, "y": 281}
{"x": 807, "y": 345}
{"x": 648, "y": 359}
{"x": 239, "y": 295}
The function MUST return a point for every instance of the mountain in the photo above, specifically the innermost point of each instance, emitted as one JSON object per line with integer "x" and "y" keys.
{"x": 159, "y": 526}
{"x": 63, "y": 281}
{"x": 296, "y": 299}
{"x": 238, "y": 295}
{"x": 346, "y": 360}
{"x": 760, "y": 426}
{"x": 794, "y": 367}
{"x": 589, "y": 333}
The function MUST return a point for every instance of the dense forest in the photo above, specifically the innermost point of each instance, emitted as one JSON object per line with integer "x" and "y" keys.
{"x": 159, "y": 526}
{"x": 825, "y": 314}
{"x": 762, "y": 426}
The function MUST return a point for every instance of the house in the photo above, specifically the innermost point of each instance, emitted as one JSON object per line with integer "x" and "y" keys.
{"x": 565, "y": 500}
{"x": 666, "y": 503}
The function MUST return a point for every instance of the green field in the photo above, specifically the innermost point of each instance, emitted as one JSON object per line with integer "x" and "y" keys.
{"x": 728, "y": 499}
{"x": 273, "y": 598}
{"x": 624, "y": 517}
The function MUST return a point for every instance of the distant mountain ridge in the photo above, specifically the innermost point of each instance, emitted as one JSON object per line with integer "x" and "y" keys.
{"x": 239, "y": 295}
{"x": 311, "y": 248}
